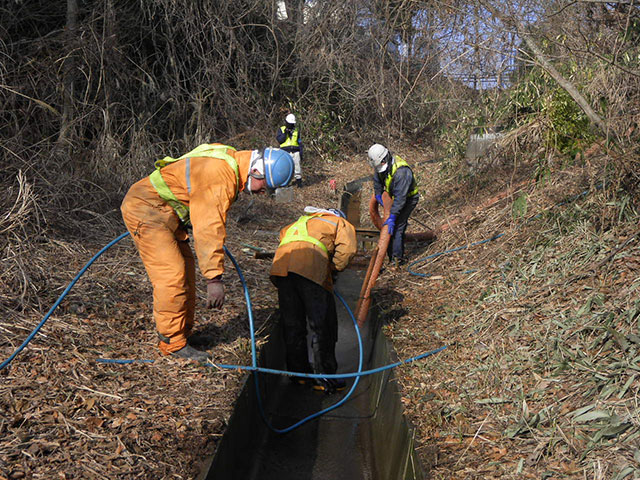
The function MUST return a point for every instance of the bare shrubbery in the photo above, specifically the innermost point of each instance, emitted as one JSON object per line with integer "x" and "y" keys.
{"x": 92, "y": 92}
{"x": 19, "y": 220}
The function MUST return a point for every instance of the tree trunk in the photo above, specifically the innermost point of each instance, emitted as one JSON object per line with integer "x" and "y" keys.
{"x": 563, "y": 82}
{"x": 66, "y": 124}
{"x": 544, "y": 63}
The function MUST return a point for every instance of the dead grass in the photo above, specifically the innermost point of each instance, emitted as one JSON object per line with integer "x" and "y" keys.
{"x": 541, "y": 380}
{"x": 63, "y": 415}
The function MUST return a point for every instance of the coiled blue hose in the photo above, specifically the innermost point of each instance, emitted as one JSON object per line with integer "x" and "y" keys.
{"x": 254, "y": 358}
{"x": 254, "y": 362}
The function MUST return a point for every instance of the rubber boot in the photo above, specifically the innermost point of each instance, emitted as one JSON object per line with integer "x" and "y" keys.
{"x": 329, "y": 385}
{"x": 190, "y": 353}
{"x": 304, "y": 381}
{"x": 201, "y": 339}
{"x": 299, "y": 182}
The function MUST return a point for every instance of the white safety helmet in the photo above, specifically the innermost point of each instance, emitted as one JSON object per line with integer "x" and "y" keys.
{"x": 291, "y": 118}
{"x": 378, "y": 157}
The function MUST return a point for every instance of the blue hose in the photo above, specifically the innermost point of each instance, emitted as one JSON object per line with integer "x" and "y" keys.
{"x": 422, "y": 260}
{"x": 254, "y": 358}
{"x": 60, "y": 298}
{"x": 254, "y": 367}
{"x": 487, "y": 240}
{"x": 254, "y": 362}
{"x": 249, "y": 368}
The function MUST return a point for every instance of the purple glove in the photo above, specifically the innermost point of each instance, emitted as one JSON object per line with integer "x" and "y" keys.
{"x": 390, "y": 223}
{"x": 215, "y": 293}
{"x": 379, "y": 199}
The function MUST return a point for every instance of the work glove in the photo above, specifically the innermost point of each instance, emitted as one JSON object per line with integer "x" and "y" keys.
{"x": 379, "y": 199}
{"x": 390, "y": 223}
{"x": 215, "y": 293}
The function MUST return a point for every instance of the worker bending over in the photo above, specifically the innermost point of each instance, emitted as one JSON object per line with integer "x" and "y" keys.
{"x": 393, "y": 175}
{"x": 311, "y": 252}
{"x": 193, "y": 191}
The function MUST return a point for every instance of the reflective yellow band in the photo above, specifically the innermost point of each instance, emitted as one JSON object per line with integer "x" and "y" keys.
{"x": 167, "y": 195}
{"x": 211, "y": 151}
{"x": 205, "y": 150}
{"x": 397, "y": 163}
{"x": 298, "y": 233}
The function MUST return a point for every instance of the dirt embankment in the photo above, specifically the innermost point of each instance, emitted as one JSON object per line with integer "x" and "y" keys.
{"x": 540, "y": 380}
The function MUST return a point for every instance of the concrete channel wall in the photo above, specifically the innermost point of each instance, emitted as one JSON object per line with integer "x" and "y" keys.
{"x": 366, "y": 438}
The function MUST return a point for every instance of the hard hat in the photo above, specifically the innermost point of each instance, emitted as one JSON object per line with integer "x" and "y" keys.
{"x": 291, "y": 118}
{"x": 278, "y": 167}
{"x": 338, "y": 213}
{"x": 378, "y": 157}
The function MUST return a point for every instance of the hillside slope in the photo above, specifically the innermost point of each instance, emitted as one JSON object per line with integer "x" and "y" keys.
{"x": 541, "y": 379}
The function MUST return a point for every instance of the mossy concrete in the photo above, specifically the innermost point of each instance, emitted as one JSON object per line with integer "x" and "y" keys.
{"x": 366, "y": 438}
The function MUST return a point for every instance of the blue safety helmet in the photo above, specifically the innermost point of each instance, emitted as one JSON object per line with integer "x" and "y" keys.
{"x": 278, "y": 167}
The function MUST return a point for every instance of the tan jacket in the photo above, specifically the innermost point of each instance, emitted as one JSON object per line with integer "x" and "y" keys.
{"x": 208, "y": 191}
{"x": 309, "y": 260}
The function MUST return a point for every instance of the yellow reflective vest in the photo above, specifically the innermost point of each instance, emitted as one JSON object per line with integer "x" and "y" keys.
{"x": 298, "y": 233}
{"x": 397, "y": 163}
{"x": 297, "y": 253}
{"x": 291, "y": 141}
{"x": 204, "y": 150}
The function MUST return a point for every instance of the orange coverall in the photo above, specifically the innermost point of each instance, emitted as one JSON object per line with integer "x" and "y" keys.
{"x": 301, "y": 271}
{"x": 310, "y": 261}
{"x": 208, "y": 191}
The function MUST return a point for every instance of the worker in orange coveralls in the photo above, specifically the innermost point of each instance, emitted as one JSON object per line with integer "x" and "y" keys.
{"x": 193, "y": 191}
{"x": 311, "y": 252}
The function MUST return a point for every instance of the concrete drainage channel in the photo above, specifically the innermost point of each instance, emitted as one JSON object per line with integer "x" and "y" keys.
{"x": 366, "y": 438}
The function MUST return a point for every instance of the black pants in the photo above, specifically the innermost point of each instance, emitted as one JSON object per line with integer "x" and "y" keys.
{"x": 396, "y": 245}
{"x": 302, "y": 300}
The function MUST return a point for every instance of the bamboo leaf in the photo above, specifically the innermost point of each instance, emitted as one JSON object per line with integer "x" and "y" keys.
{"x": 632, "y": 437}
{"x": 515, "y": 430}
{"x": 626, "y": 386}
{"x": 582, "y": 410}
{"x": 625, "y": 472}
{"x": 586, "y": 307}
{"x": 591, "y": 416}
{"x": 614, "y": 430}
{"x": 519, "y": 208}
{"x": 619, "y": 338}
{"x": 633, "y": 338}
{"x": 608, "y": 390}
{"x": 492, "y": 401}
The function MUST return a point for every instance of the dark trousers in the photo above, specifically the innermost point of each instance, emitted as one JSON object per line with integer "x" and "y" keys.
{"x": 302, "y": 300}
{"x": 396, "y": 245}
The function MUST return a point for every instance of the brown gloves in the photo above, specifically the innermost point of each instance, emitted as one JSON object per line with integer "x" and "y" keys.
{"x": 215, "y": 293}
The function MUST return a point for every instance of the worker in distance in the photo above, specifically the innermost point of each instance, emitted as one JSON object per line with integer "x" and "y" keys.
{"x": 393, "y": 175}
{"x": 288, "y": 136}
